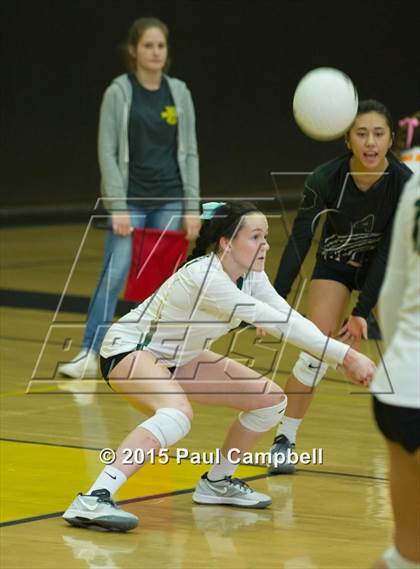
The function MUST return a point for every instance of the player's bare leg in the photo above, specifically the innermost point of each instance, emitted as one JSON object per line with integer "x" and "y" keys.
{"x": 327, "y": 303}
{"x": 405, "y": 497}
{"x": 216, "y": 380}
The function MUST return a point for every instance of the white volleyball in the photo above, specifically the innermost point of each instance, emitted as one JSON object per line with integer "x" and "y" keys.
{"x": 325, "y": 103}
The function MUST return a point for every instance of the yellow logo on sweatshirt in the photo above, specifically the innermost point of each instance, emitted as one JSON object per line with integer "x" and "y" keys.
{"x": 170, "y": 115}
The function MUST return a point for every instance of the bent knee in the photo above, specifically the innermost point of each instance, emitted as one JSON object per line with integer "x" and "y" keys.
{"x": 275, "y": 396}
{"x": 186, "y": 409}
{"x": 264, "y": 418}
{"x": 168, "y": 425}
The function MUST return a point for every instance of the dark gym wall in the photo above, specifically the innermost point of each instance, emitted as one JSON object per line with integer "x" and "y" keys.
{"x": 241, "y": 60}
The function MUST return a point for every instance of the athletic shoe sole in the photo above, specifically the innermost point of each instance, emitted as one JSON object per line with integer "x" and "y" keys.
{"x": 212, "y": 500}
{"x": 112, "y": 523}
{"x": 281, "y": 469}
{"x": 66, "y": 372}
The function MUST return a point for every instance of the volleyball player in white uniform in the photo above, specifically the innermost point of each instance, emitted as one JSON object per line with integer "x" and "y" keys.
{"x": 408, "y": 142}
{"x": 158, "y": 358}
{"x": 396, "y": 387}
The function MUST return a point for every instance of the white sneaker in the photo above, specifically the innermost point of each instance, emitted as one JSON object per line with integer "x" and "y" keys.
{"x": 229, "y": 491}
{"x": 97, "y": 509}
{"x": 85, "y": 364}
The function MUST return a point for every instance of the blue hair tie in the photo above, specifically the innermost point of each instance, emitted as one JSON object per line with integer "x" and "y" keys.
{"x": 209, "y": 209}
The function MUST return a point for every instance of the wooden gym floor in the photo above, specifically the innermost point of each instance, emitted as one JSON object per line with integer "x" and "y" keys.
{"x": 335, "y": 515}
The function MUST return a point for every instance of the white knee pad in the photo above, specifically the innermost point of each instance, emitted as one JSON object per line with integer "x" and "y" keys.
{"x": 168, "y": 425}
{"x": 394, "y": 560}
{"x": 308, "y": 370}
{"x": 262, "y": 420}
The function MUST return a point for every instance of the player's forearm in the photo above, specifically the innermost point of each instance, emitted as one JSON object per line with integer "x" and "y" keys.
{"x": 291, "y": 326}
{"x": 305, "y": 335}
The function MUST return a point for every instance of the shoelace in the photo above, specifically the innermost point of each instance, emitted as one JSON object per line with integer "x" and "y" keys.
{"x": 243, "y": 486}
{"x": 105, "y": 499}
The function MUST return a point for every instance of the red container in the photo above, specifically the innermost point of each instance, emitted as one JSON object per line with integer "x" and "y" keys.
{"x": 155, "y": 256}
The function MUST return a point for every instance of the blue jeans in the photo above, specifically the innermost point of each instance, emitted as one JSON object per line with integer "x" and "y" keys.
{"x": 116, "y": 266}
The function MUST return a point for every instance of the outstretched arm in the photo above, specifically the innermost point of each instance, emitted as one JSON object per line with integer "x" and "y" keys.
{"x": 357, "y": 367}
{"x": 274, "y": 315}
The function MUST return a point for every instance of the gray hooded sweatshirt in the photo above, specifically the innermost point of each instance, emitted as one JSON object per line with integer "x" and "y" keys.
{"x": 113, "y": 143}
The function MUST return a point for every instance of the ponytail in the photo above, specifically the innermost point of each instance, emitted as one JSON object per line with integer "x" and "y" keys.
{"x": 203, "y": 241}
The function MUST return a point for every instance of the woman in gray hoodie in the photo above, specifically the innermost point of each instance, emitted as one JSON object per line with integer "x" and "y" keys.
{"x": 149, "y": 168}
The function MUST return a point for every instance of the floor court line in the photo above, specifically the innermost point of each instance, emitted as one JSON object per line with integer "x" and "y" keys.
{"x": 119, "y": 502}
{"x": 176, "y": 493}
{"x": 10, "y": 440}
{"x": 306, "y": 470}
{"x": 33, "y": 341}
{"x": 49, "y": 263}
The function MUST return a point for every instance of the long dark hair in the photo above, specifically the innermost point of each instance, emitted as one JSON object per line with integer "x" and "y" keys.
{"x": 374, "y": 106}
{"x": 226, "y": 222}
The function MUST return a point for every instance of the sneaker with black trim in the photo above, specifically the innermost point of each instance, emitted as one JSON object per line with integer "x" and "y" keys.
{"x": 98, "y": 510}
{"x": 280, "y": 459}
{"x": 229, "y": 491}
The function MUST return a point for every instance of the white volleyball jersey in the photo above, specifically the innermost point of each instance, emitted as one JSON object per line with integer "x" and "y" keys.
{"x": 200, "y": 303}
{"x": 397, "y": 381}
{"x": 411, "y": 158}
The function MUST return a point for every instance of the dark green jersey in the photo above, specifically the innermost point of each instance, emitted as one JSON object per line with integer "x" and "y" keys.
{"x": 357, "y": 228}
{"x": 152, "y": 134}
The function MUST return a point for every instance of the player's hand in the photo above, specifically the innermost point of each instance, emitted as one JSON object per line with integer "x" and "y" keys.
{"x": 260, "y": 333}
{"x": 121, "y": 224}
{"x": 358, "y": 368}
{"x": 192, "y": 225}
{"x": 354, "y": 330}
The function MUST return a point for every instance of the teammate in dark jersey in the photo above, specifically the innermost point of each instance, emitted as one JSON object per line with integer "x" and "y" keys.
{"x": 357, "y": 195}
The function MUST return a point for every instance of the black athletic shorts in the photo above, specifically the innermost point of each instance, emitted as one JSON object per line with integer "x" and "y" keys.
{"x": 108, "y": 364}
{"x": 398, "y": 424}
{"x": 351, "y": 277}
